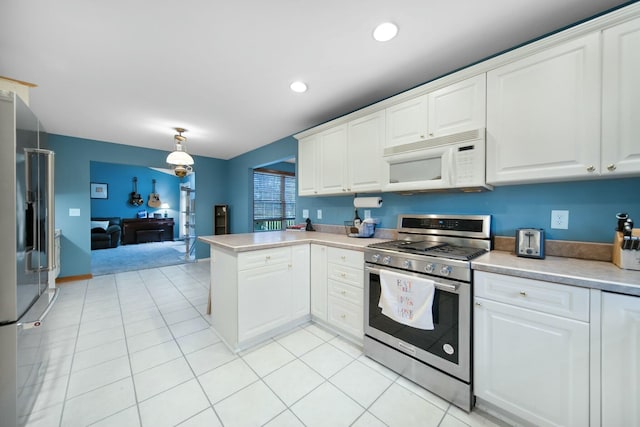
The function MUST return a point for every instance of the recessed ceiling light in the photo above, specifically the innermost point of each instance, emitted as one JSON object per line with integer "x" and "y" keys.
{"x": 385, "y": 32}
{"x": 298, "y": 86}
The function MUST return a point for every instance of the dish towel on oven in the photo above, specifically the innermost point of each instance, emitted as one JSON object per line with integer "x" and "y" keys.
{"x": 407, "y": 299}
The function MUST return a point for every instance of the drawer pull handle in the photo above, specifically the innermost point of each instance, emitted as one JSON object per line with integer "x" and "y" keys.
{"x": 343, "y": 274}
{"x": 523, "y": 293}
{"x": 344, "y": 258}
{"x": 343, "y": 292}
{"x": 268, "y": 257}
{"x": 478, "y": 304}
{"x": 343, "y": 316}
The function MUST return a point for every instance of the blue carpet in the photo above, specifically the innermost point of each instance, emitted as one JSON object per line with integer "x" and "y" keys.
{"x": 136, "y": 257}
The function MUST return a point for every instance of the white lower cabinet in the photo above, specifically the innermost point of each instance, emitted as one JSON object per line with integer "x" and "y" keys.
{"x": 337, "y": 297}
{"x": 531, "y": 349}
{"x": 257, "y": 293}
{"x": 319, "y": 282}
{"x": 620, "y": 360}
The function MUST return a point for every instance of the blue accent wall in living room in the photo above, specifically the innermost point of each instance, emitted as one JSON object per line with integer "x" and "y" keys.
{"x": 73, "y": 176}
{"x": 119, "y": 179}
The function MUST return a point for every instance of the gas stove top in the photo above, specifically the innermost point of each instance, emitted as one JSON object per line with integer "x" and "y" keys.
{"x": 436, "y": 245}
{"x": 432, "y": 248}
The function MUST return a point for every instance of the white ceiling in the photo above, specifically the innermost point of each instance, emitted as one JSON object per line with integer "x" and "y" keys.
{"x": 128, "y": 71}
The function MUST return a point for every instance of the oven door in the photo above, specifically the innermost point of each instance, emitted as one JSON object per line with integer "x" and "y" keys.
{"x": 447, "y": 347}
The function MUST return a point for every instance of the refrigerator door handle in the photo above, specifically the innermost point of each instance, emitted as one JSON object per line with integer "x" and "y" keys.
{"x": 31, "y": 322}
{"x": 33, "y": 237}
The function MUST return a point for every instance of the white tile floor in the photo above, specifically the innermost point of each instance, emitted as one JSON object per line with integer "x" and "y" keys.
{"x": 136, "y": 348}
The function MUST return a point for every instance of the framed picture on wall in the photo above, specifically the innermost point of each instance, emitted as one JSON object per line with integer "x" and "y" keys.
{"x": 99, "y": 190}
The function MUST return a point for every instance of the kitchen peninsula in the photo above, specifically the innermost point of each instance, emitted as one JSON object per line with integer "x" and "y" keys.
{"x": 263, "y": 284}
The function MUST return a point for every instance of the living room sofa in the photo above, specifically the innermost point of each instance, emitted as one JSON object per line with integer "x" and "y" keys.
{"x": 105, "y": 232}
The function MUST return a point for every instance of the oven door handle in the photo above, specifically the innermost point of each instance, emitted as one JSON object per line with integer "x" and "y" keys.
{"x": 447, "y": 287}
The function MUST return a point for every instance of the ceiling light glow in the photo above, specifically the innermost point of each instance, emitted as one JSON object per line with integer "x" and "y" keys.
{"x": 298, "y": 87}
{"x": 385, "y": 32}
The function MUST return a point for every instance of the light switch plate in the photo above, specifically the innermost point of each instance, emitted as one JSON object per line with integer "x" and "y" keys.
{"x": 367, "y": 213}
{"x": 74, "y": 212}
{"x": 319, "y": 215}
{"x": 305, "y": 213}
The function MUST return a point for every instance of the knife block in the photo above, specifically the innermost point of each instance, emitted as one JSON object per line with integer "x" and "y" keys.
{"x": 625, "y": 258}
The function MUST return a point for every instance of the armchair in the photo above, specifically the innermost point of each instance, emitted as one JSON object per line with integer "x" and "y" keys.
{"x": 105, "y": 232}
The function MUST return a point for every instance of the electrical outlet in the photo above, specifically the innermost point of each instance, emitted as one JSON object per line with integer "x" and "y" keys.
{"x": 560, "y": 220}
{"x": 319, "y": 215}
{"x": 367, "y": 213}
{"x": 305, "y": 213}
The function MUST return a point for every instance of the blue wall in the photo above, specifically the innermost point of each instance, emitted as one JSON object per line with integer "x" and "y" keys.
{"x": 120, "y": 181}
{"x": 240, "y": 179}
{"x": 73, "y": 166}
{"x": 592, "y": 207}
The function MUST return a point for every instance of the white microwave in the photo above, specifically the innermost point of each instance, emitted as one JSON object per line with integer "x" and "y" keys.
{"x": 453, "y": 162}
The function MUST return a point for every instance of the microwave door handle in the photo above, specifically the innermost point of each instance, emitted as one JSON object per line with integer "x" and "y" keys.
{"x": 451, "y": 169}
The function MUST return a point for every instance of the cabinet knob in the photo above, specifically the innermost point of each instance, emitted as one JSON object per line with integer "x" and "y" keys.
{"x": 343, "y": 292}
{"x": 430, "y": 133}
{"x": 267, "y": 258}
{"x": 343, "y": 316}
{"x": 611, "y": 167}
{"x": 523, "y": 293}
{"x": 591, "y": 168}
{"x": 344, "y": 258}
{"x": 421, "y": 136}
{"x": 478, "y": 304}
{"x": 343, "y": 274}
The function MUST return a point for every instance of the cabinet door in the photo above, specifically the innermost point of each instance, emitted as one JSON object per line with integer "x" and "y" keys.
{"x": 621, "y": 99}
{"x": 458, "y": 107}
{"x": 307, "y": 166}
{"x": 620, "y": 360}
{"x": 300, "y": 281}
{"x": 366, "y": 138}
{"x": 319, "y": 281}
{"x": 533, "y": 365}
{"x": 264, "y": 300}
{"x": 333, "y": 160}
{"x": 407, "y": 122}
{"x": 543, "y": 115}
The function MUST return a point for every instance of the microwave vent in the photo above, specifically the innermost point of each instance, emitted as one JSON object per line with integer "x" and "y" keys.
{"x": 435, "y": 142}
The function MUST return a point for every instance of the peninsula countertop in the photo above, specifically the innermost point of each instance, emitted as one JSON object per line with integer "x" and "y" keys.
{"x": 601, "y": 275}
{"x": 272, "y": 239}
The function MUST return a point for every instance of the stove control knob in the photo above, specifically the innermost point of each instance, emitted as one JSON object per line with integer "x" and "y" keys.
{"x": 375, "y": 257}
{"x": 429, "y": 268}
{"x": 445, "y": 270}
{"x": 386, "y": 260}
{"x": 407, "y": 264}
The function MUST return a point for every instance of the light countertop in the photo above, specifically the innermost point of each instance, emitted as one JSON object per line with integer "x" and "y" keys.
{"x": 601, "y": 275}
{"x": 273, "y": 239}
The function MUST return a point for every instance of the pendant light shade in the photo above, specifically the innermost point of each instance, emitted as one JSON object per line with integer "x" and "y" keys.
{"x": 179, "y": 159}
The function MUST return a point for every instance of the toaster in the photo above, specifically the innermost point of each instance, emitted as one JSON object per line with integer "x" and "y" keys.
{"x": 530, "y": 242}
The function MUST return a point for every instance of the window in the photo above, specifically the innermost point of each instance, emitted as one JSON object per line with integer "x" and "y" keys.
{"x": 274, "y": 200}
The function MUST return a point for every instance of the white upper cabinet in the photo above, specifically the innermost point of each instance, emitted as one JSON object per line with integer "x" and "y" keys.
{"x": 543, "y": 115}
{"x": 333, "y": 160}
{"x": 621, "y": 99}
{"x": 452, "y": 109}
{"x": 364, "y": 152}
{"x": 307, "y": 166}
{"x": 458, "y": 107}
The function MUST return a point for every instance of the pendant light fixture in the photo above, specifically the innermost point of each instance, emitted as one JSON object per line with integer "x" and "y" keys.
{"x": 179, "y": 159}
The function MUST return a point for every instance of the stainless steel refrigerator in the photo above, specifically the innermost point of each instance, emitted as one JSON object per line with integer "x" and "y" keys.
{"x": 26, "y": 255}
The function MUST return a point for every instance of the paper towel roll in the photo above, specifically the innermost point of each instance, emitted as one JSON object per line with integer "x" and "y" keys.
{"x": 367, "y": 202}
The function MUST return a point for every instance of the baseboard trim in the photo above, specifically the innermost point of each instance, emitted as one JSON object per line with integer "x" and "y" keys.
{"x": 74, "y": 278}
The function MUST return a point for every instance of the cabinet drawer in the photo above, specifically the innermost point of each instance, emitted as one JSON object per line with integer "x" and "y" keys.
{"x": 264, "y": 257}
{"x": 546, "y": 297}
{"x": 346, "y": 292}
{"x": 348, "y": 257}
{"x": 346, "y": 316}
{"x": 344, "y": 274}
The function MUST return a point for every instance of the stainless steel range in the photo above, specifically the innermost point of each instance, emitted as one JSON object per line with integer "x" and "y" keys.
{"x": 418, "y": 301}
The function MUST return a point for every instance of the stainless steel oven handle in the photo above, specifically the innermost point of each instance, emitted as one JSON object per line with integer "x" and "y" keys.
{"x": 447, "y": 287}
